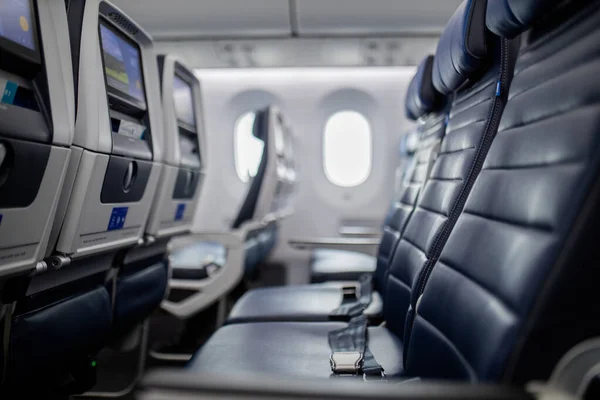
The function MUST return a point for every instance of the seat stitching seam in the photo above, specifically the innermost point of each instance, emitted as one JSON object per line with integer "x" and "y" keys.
{"x": 532, "y": 166}
{"x": 513, "y": 95}
{"x": 412, "y": 244}
{"x": 469, "y": 123}
{"x": 549, "y": 116}
{"x": 537, "y": 227}
{"x": 443, "y": 153}
{"x": 431, "y": 210}
{"x": 469, "y": 107}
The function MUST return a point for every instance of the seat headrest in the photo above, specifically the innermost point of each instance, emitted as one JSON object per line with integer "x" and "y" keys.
{"x": 508, "y": 18}
{"x": 462, "y": 47}
{"x": 421, "y": 97}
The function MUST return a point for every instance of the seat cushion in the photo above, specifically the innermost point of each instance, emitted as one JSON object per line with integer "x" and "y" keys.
{"x": 294, "y": 303}
{"x": 339, "y": 265}
{"x": 137, "y": 295}
{"x": 295, "y": 349}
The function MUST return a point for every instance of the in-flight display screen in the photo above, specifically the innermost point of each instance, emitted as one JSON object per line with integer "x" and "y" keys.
{"x": 16, "y": 22}
{"x": 184, "y": 102}
{"x": 122, "y": 65}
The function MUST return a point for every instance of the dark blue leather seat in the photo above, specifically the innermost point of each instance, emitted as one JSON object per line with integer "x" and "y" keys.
{"x": 516, "y": 285}
{"x": 315, "y": 302}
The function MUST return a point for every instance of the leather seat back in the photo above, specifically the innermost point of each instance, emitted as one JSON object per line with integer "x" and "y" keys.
{"x": 516, "y": 285}
{"x": 423, "y": 102}
{"x": 248, "y": 207}
{"x": 467, "y": 68}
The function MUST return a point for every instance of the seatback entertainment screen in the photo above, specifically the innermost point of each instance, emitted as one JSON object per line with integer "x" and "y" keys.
{"x": 16, "y": 22}
{"x": 184, "y": 102}
{"x": 18, "y": 29}
{"x": 122, "y": 65}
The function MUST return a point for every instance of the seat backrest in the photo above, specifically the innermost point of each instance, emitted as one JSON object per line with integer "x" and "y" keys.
{"x": 516, "y": 285}
{"x": 423, "y": 102}
{"x": 248, "y": 207}
{"x": 37, "y": 117}
{"x": 467, "y": 67}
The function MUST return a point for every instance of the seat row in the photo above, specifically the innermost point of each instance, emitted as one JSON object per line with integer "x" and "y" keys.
{"x": 486, "y": 269}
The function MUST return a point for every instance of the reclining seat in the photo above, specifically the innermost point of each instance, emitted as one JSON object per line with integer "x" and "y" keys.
{"x": 344, "y": 265}
{"x": 272, "y": 207}
{"x": 248, "y": 209}
{"x": 468, "y": 64}
{"x": 315, "y": 302}
{"x": 516, "y": 285}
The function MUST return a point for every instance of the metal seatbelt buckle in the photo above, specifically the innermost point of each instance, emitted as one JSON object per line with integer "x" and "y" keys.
{"x": 346, "y": 362}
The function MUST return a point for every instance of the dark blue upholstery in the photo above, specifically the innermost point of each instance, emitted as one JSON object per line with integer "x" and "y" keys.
{"x": 48, "y": 341}
{"x": 469, "y": 129}
{"x": 422, "y": 98}
{"x": 267, "y": 238}
{"x": 137, "y": 295}
{"x": 252, "y": 254}
{"x": 285, "y": 348}
{"x": 508, "y": 18}
{"x": 462, "y": 47}
{"x": 431, "y": 133}
{"x": 514, "y": 287}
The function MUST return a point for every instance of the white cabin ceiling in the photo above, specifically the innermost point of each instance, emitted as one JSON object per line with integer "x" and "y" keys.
{"x": 373, "y": 17}
{"x": 209, "y": 19}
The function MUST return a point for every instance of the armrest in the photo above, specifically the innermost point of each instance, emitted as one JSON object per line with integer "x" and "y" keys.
{"x": 361, "y": 245}
{"x": 360, "y": 231}
{"x": 227, "y": 239}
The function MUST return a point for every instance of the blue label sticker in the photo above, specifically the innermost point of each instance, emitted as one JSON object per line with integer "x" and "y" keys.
{"x": 117, "y": 218}
{"x": 10, "y": 90}
{"x": 0, "y": 219}
{"x": 179, "y": 212}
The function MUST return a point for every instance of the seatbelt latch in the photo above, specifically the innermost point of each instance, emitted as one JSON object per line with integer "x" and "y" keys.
{"x": 346, "y": 362}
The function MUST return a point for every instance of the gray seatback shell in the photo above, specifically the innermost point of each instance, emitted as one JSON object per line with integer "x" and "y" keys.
{"x": 25, "y": 231}
{"x": 85, "y": 229}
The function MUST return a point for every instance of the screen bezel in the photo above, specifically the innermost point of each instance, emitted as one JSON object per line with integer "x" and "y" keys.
{"x": 31, "y": 56}
{"x": 187, "y": 81}
{"x": 111, "y": 91}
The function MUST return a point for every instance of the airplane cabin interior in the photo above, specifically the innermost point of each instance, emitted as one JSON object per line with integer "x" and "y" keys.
{"x": 300, "y": 199}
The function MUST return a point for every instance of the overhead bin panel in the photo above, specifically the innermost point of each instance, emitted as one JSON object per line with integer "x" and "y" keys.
{"x": 376, "y": 17}
{"x": 209, "y": 18}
